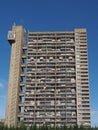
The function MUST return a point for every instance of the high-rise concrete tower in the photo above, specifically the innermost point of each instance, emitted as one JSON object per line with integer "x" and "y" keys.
{"x": 16, "y": 38}
{"x": 48, "y": 80}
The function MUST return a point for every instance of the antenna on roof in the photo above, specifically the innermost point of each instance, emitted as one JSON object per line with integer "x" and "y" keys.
{"x": 14, "y": 24}
{"x": 21, "y": 22}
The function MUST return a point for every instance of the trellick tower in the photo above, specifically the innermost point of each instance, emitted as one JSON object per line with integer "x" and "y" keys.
{"x": 48, "y": 80}
{"x": 16, "y": 38}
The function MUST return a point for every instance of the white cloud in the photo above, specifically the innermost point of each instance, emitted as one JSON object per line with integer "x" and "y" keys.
{"x": 94, "y": 118}
{"x": 2, "y": 106}
{"x": 1, "y": 85}
{"x": 3, "y": 91}
{"x": 3, "y": 97}
{"x": 94, "y": 112}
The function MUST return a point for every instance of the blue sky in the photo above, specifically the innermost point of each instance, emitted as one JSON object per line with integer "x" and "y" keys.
{"x": 50, "y": 15}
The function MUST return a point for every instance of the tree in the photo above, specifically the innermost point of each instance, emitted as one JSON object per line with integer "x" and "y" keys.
{"x": 75, "y": 127}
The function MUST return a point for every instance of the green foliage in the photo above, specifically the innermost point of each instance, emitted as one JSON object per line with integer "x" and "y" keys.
{"x": 45, "y": 127}
{"x": 31, "y": 127}
{"x": 75, "y": 127}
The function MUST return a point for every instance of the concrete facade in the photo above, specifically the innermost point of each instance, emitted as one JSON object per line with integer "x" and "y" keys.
{"x": 48, "y": 79}
{"x": 16, "y": 38}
